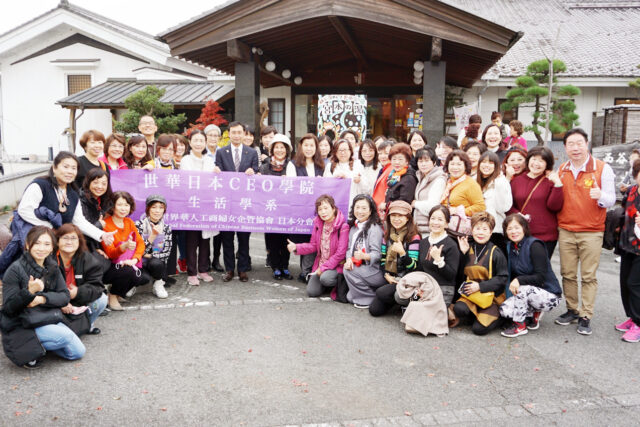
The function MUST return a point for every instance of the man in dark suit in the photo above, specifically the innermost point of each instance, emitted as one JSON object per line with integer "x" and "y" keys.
{"x": 236, "y": 157}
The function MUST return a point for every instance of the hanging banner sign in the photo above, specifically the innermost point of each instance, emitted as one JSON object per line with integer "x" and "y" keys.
{"x": 342, "y": 112}
{"x": 230, "y": 201}
{"x": 463, "y": 113}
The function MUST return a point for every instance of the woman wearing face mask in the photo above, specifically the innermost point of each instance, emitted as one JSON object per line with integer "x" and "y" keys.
{"x": 474, "y": 150}
{"x": 50, "y": 200}
{"x": 431, "y": 183}
{"x": 497, "y": 193}
{"x": 33, "y": 287}
{"x": 329, "y": 241}
{"x": 92, "y": 142}
{"x": 492, "y": 138}
{"x": 136, "y": 155}
{"x": 514, "y": 163}
{"x": 486, "y": 271}
{"x": 113, "y": 152}
{"x": 534, "y": 287}
{"x": 461, "y": 189}
{"x": 399, "y": 254}
{"x": 306, "y": 162}
{"x": 280, "y": 149}
{"x": 537, "y": 193}
{"x": 156, "y": 235}
{"x": 362, "y": 267}
{"x": 439, "y": 253}
{"x": 344, "y": 166}
{"x": 371, "y": 167}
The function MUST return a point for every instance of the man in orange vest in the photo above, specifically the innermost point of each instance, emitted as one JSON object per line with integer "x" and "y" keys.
{"x": 589, "y": 189}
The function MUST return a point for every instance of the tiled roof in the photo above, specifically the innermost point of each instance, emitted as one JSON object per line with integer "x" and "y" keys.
{"x": 598, "y": 38}
{"x": 113, "y": 92}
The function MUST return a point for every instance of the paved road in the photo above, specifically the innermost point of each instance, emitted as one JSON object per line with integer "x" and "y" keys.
{"x": 262, "y": 353}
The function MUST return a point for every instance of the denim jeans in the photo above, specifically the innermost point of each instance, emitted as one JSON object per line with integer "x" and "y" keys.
{"x": 97, "y": 307}
{"x": 61, "y": 340}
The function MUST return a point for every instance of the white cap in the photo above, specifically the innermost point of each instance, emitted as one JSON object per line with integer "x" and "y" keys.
{"x": 278, "y": 137}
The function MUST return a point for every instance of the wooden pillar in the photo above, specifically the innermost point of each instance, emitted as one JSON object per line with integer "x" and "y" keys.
{"x": 433, "y": 93}
{"x": 72, "y": 130}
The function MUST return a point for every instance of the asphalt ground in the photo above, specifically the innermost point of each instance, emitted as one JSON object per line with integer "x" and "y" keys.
{"x": 262, "y": 353}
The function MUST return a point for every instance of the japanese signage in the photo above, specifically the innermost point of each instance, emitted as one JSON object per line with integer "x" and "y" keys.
{"x": 230, "y": 201}
{"x": 463, "y": 113}
{"x": 342, "y": 112}
{"x": 617, "y": 156}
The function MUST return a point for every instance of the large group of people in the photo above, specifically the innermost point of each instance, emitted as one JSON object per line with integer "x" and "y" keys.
{"x": 449, "y": 233}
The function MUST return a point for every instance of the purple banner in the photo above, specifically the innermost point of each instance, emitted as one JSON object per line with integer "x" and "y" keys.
{"x": 230, "y": 201}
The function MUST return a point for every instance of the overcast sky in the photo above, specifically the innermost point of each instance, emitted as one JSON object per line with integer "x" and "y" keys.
{"x": 146, "y": 15}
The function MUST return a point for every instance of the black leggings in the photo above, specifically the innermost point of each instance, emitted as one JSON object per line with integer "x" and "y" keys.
{"x": 156, "y": 268}
{"x": 384, "y": 300}
{"x": 124, "y": 277}
{"x": 467, "y": 317}
{"x": 278, "y": 252}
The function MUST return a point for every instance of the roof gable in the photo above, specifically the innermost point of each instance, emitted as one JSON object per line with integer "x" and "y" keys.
{"x": 427, "y": 17}
{"x": 82, "y": 39}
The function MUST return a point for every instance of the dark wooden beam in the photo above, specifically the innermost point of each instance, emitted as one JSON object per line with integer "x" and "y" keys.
{"x": 436, "y": 49}
{"x": 348, "y": 39}
{"x": 238, "y": 51}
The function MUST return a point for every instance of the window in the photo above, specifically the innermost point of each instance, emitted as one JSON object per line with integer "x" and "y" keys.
{"x": 623, "y": 101}
{"x": 509, "y": 115}
{"x": 77, "y": 83}
{"x": 276, "y": 113}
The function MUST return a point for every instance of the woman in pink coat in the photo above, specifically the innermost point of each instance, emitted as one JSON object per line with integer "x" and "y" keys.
{"x": 329, "y": 240}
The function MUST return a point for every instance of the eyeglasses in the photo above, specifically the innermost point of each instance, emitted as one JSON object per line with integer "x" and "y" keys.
{"x": 69, "y": 238}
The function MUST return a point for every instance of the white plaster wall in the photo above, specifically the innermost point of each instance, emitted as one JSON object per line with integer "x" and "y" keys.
{"x": 32, "y": 121}
{"x": 591, "y": 99}
{"x": 280, "y": 92}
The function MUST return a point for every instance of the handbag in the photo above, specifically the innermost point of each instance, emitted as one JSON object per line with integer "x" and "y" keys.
{"x": 34, "y": 317}
{"x": 482, "y": 299}
{"x": 128, "y": 254}
{"x": 459, "y": 223}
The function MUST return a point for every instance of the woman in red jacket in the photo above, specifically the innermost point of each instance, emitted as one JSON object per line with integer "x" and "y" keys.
{"x": 537, "y": 193}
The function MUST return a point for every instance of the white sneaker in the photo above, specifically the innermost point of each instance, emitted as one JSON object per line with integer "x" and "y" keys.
{"x": 159, "y": 290}
{"x": 131, "y": 292}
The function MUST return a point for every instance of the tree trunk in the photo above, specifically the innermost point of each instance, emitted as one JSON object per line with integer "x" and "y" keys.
{"x": 535, "y": 122}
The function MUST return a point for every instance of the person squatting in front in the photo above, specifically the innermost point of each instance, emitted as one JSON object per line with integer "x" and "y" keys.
{"x": 329, "y": 239}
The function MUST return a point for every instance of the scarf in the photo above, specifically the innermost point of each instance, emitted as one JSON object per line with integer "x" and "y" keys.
{"x": 276, "y": 166}
{"x": 147, "y": 225}
{"x": 325, "y": 242}
{"x": 451, "y": 183}
{"x": 391, "y": 263}
{"x": 394, "y": 176}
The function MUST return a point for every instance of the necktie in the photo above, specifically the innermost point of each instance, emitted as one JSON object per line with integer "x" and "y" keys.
{"x": 236, "y": 158}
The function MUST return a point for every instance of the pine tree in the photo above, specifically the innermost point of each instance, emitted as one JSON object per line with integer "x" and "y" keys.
{"x": 533, "y": 88}
{"x": 146, "y": 102}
